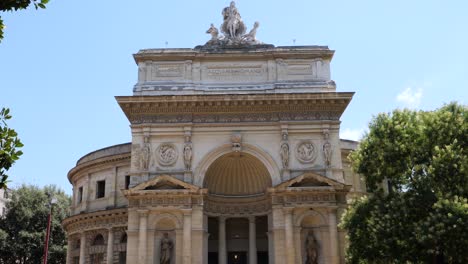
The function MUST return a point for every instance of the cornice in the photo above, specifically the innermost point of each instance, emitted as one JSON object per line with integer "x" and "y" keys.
{"x": 99, "y": 219}
{"x": 284, "y": 52}
{"x": 234, "y": 107}
{"x": 98, "y": 162}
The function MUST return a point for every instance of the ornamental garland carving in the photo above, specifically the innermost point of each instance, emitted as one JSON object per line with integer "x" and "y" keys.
{"x": 306, "y": 151}
{"x": 167, "y": 154}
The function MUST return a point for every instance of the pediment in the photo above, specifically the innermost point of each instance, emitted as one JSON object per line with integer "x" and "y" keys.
{"x": 310, "y": 180}
{"x": 164, "y": 182}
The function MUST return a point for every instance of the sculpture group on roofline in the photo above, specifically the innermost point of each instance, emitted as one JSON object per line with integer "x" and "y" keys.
{"x": 233, "y": 29}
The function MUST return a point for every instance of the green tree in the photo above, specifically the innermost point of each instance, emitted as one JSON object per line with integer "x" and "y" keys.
{"x": 9, "y": 145}
{"x": 23, "y": 228}
{"x": 421, "y": 158}
{"x": 15, "y": 5}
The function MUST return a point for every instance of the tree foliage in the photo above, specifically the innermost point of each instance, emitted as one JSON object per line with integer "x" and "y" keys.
{"x": 9, "y": 146}
{"x": 23, "y": 228}
{"x": 423, "y": 158}
{"x": 15, "y": 5}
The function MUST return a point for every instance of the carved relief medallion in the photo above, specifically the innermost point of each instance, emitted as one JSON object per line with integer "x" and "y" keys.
{"x": 306, "y": 152}
{"x": 166, "y": 154}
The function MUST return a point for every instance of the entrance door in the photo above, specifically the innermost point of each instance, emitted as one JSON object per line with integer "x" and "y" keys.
{"x": 237, "y": 257}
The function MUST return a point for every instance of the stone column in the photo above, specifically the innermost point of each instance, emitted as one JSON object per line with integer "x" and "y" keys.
{"x": 222, "y": 255}
{"x": 142, "y": 236}
{"x": 110, "y": 246}
{"x": 252, "y": 241}
{"x": 69, "y": 249}
{"x": 187, "y": 243}
{"x": 288, "y": 229}
{"x": 83, "y": 248}
{"x": 333, "y": 230}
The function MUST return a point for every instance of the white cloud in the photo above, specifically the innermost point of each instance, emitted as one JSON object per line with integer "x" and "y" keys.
{"x": 352, "y": 134}
{"x": 410, "y": 97}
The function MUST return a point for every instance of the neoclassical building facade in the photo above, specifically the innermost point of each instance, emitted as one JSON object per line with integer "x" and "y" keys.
{"x": 235, "y": 157}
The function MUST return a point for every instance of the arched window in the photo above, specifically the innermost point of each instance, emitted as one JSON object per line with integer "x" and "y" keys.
{"x": 123, "y": 240}
{"x": 98, "y": 240}
{"x": 77, "y": 244}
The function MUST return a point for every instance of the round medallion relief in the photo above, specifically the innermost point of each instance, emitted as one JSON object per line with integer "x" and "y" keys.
{"x": 166, "y": 154}
{"x": 306, "y": 152}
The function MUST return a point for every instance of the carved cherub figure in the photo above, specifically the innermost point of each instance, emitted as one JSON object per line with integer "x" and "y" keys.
{"x": 251, "y": 36}
{"x": 214, "y": 32}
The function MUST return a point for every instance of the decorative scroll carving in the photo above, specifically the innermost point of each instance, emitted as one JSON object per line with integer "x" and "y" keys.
{"x": 304, "y": 198}
{"x": 327, "y": 149}
{"x": 188, "y": 153}
{"x": 236, "y": 139}
{"x": 285, "y": 151}
{"x": 306, "y": 152}
{"x": 167, "y": 154}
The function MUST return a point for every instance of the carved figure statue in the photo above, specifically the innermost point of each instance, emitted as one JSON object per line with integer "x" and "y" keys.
{"x": 166, "y": 248}
{"x": 327, "y": 149}
{"x": 311, "y": 249}
{"x": 214, "y": 33}
{"x": 233, "y": 26}
{"x": 327, "y": 153}
{"x": 251, "y": 36}
{"x": 145, "y": 154}
{"x": 285, "y": 151}
{"x": 188, "y": 155}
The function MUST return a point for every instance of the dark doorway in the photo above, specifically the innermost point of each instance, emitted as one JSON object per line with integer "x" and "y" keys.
{"x": 262, "y": 257}
{"x": 237, "y": 257}
{"x": 212, "y": 257}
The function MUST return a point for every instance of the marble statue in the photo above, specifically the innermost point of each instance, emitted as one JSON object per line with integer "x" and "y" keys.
{"x": 327, "y": 149}
{"x": 145, "y": 154}
{"x": 285, "y": 151}
{"x": 166, "y": 248}
{"x": 311, "y": 249}
{"x": 214, "y": 33}
{"x": 188, "y": 154}
{"x": 233, "y": 29}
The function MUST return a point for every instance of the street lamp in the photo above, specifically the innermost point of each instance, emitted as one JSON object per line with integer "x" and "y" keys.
{"x": 52, "y": 201}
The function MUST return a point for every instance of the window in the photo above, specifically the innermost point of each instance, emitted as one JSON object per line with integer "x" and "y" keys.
{"x": 5, "y": 194}
{"x": 76, "y": 260}
{"x": 97, "y": 258}
{"x": 122, "y": 257}
{"x": 127, "y": 182}
{"x": 100, "y": 189}
{"x": 80, "y": 194}
{"x": 3, "y": 211}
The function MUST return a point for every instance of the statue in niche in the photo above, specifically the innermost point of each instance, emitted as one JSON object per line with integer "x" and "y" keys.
{"x": 285, "y": 151}
{"x": 145, "y": 154}
{"x": 188, "y": 154}
{"x": 311, "y": 249}
{"x": 233, "y": 26}
{"x": 166, "y": 248}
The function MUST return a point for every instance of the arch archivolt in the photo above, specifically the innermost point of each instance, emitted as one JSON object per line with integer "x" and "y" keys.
{"x": 256, "y": 151}
{"x": 158, "y": 221}
{"x": 311, "y": 213}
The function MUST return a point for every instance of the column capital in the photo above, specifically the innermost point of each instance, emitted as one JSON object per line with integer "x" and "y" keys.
{"x": 222, "y": 219}
{"x": 332, "y": 209}
{"x": 251, "y": 219}
{"x": 288, "y": 210}
{"x": 143, "y": 212}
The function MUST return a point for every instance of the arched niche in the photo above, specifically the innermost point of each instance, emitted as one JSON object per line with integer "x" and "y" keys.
{"x": 237, "y": 174}
{"x": 313, "y": 226}
{"x": 170, "y": 224}
{"x": 257, "y": 152}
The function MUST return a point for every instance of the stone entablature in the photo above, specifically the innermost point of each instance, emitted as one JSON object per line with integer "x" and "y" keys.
{"x": 271, "y": 70}
{"x": 234, "y": 108}
{"x": 116, "y": 218}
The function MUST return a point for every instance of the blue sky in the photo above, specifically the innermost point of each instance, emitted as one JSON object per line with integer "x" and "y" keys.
{"x": 61, "y": 67}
